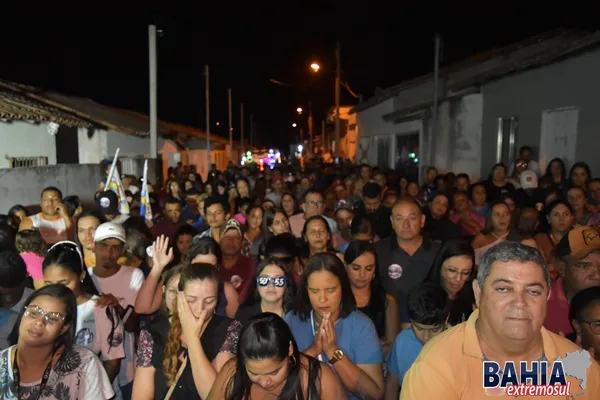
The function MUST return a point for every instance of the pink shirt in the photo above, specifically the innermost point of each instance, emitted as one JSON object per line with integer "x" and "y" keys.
{"x": 34, "y": 265}
{"x": 557, "y": 317}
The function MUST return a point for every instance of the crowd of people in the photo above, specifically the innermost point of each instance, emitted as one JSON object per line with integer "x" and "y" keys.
{"x": 332, "y": 282}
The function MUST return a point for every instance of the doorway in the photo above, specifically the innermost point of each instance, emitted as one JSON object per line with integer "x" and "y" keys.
{"x": 67, "y": 145}
{"x": 407, "y": 155}
{"x": 505, "y": 150}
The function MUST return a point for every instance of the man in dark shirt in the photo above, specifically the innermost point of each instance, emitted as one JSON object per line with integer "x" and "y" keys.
{"x": 377, "y": 212}
{"x": 405, "y": 259}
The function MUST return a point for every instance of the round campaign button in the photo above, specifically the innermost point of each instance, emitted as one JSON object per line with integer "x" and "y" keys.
{"x": 395, "y": 271}
{"x": 236, "y": 281}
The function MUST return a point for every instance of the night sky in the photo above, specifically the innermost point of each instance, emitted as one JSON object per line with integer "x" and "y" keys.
{"x": 103, "y": 54}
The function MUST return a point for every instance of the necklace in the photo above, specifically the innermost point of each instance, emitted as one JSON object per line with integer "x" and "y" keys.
{"x": 17, "y": 376}
{"x": 499, "y": 237}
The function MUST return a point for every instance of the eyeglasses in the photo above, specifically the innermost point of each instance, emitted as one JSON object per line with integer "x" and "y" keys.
{"x": 315, "y": 204}
{"x": 52, "y": 318}
{"x": 263, "y": 280}
{"x": 594, "y": 326}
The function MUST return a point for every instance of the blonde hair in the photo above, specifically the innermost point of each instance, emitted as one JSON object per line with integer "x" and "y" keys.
{"x": 189, "y": 273}
{"x": 171, "y": 359}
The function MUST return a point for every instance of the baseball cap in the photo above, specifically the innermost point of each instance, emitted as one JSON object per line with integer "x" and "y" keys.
{"x": 110, "y": 230}
{"x": 108, "y": 202}
{"x": 338, "y": 182}
{"x": 344, "y": 205}
{"x": 579, "y": 242}
{"x": 232, "y": 224}
{"x": 529, "y": 180}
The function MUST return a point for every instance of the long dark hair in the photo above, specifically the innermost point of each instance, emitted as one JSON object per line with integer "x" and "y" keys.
{"x": 267, "y": 336}
{"x": 377, "y": 299}
{"x": 66, "y": 255}
{"x": 462, "y": 306}
{"x": 90, "y": 213}
{"x": 289, "y": 296}
{"x": 330, "y": 263}
{"x": 66, "y": 340}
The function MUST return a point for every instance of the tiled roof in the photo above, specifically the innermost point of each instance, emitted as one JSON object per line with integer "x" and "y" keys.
{"x": 24, "y": 102}
{"x": 18, "y": 102}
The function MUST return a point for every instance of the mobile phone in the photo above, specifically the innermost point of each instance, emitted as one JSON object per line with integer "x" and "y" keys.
{"x": 128, "y": 312}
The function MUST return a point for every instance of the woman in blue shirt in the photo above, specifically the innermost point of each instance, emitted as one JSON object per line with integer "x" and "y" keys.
{"x": 327, "y": 326}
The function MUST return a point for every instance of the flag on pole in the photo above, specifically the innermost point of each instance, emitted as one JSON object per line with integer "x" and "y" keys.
{"x": 146, "y": 207}
{"x": 114, "y": 183}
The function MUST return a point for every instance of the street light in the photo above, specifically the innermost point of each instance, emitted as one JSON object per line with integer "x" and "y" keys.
{"x": 316, "y": 67}
{"x": 299, "y": 110}
{"x": 294, "y": 125}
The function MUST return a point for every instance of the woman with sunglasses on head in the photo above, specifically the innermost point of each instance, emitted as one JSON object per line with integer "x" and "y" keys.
{"x": 270, "y": 366}
{"x": 273, "y": 291}
{"x": 44, "y": 363}
{"x": 98, "y": 328}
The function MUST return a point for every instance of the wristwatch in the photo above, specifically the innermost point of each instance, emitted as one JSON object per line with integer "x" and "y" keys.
{"x": 337, "y": 356}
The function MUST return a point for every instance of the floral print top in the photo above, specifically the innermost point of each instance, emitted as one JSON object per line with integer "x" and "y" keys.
{"x": 79, "y": 376}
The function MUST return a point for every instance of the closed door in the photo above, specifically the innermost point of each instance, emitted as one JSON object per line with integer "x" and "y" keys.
{"x": 558, "y": 138}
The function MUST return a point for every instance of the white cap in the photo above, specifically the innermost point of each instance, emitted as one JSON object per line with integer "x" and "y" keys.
{"x": 109, "y": 230}
{"x": 529, "y": 180}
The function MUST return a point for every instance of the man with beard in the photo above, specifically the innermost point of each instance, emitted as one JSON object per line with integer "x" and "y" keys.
{"x": 379, "y": 214}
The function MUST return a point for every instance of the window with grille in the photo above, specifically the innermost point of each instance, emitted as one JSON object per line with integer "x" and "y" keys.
{"x": 20, "y": 162}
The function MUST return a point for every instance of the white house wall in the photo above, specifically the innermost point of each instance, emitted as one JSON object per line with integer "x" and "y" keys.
{"x": 92, "y": 146}
{"x": 466, "y": 140}
{"x": 24, "y": 139}
{"x": 572, "y": 82}
{"x": 371, "y": 124}
{"x": 130, "y": 145}
{"x": 458, "y": 139}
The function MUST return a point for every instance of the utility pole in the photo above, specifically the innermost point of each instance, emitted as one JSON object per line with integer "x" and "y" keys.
{"x": 323, "y": 136}
{"x": 338, "y": 73}
{"x": 434, "y": 123}
{"x": 242, "y": 127}
{"x": 153, "y": 91}
{"x": 310, "y": 127}
{"x": 207, "y": 76}
{"x": 251, "y": 129}
{"x": 230, "y": 124}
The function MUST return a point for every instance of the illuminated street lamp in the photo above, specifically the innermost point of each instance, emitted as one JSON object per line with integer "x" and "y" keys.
{"x": 294, "y": 125}
{"x": 315, "y": 67}
{"x": 299, "y": 110}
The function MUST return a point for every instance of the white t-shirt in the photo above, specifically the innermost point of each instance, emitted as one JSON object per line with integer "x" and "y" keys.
{"x": 124, "y": 285}
{"x": 80, "y": 376}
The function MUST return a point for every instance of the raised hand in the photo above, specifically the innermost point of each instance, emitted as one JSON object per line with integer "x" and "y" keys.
{"x": 162, "y": 254}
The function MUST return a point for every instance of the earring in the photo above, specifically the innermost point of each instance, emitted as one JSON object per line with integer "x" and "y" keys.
{"x": 292, "y": 360}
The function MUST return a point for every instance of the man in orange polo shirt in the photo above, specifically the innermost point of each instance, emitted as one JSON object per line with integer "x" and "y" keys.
{"x": 511, "y": 291}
